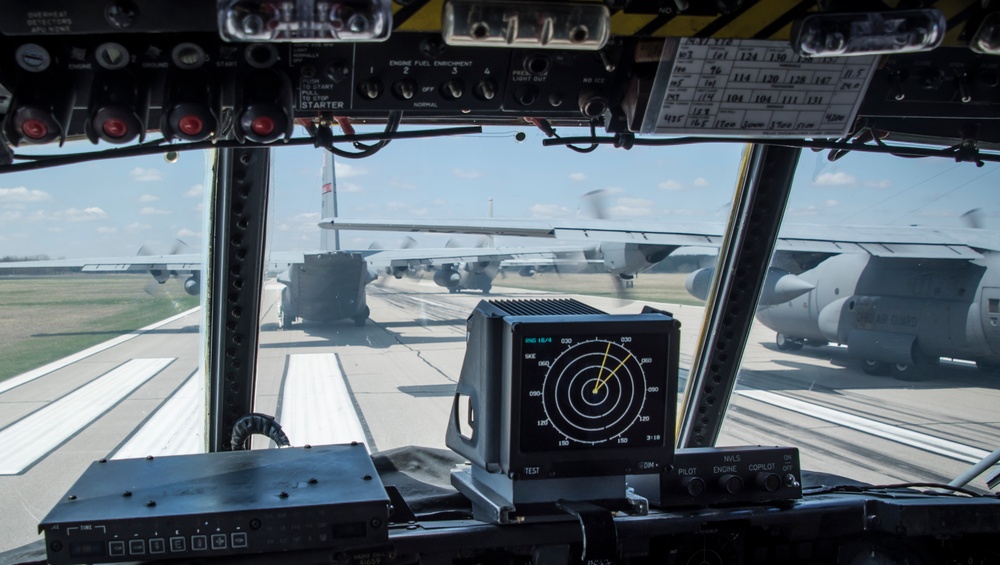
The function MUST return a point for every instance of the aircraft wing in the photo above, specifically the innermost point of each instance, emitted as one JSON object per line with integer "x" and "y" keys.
{"x": 186, "y": 262}
{"x": 444, "y": 256}
{"x": 903, "y": 242}
{"x": 137, "y": 263}
{"x": 589, "y": 230}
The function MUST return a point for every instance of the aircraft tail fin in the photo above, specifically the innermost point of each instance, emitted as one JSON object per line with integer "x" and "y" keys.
{"x": 329, "y": 239}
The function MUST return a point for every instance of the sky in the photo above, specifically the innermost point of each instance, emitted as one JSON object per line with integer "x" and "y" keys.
{"x": 115, "y": 207}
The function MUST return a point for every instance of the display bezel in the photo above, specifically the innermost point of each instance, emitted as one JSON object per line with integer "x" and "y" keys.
{"x": 524, "y": 458}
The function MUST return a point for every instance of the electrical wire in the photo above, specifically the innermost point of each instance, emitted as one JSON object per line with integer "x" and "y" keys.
{"x": 954, "y": 152}
{"x": 391, "y": 126}
{"x": 593, "y": 135}
{"x": 36, "y": 162}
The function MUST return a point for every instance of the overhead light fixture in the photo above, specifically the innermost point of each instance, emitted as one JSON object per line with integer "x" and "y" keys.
{"x": 987, "y": 38}
{"x": 868, "y": 33}
{"x": 551, "y": 25}
{"x": 311, "y": 21}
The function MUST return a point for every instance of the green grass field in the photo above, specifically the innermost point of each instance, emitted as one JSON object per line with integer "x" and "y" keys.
{"x": 652, "y": 287}
{"x": 46, "y": 318}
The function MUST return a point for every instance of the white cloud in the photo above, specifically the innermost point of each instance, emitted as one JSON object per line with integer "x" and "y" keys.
{"x": 577, "y": 176}
{"x": 104, "y": 230}
{"x": 700, "y": 181}
{"x": 150, "y": 211}
{"x": 306, "y": 218}
{"x": 835, "y": 179}
{"x": 881, "y": 183}
{"x": 439, "y": 202}
{"x": 141, "y": 174}
{"x": 71, "y": 215}
{"x": 22, "y": 194}
{"x": 55, "y": 229}
{"x": 466, "y": 173}
{"x": 195, "y": 191}
{"x": 613, "y": 190}
{"x": 184, "y": 232}
{"x": 670, "y": 185}
{"x": 349, "y": 187}
{"x": 148, "y": 198}
{"x": 550, "y": 211}
{"x": 86, "y": 215}
{"x": 831, "y": 203}
{"x": 635, "y": 202}
{"x": 136, "y": 226}
{"x": 347, "y": 170}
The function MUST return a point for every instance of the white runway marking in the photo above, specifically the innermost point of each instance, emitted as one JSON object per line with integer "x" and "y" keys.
{"x": 316, "y": 408}
{"x": 32, "y": 437}
{"x": 176, "y": 428}
{"x": 918, "y": 440}
{"x": 65, "y": 361}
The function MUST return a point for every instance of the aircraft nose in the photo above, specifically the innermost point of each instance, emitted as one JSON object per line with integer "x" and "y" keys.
{"x": 781, "y": 286}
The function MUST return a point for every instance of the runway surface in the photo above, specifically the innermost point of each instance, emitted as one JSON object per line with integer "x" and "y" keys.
{"x": 391, "y": 383}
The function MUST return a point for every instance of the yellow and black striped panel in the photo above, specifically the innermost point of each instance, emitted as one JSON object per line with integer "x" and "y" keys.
{"x": 745, "y": 19}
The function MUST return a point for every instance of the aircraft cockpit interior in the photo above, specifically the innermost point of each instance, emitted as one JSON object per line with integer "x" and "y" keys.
{"x": 385, "y": 282}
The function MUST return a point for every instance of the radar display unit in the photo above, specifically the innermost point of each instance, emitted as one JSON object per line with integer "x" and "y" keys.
{"x": 558, "y": 401}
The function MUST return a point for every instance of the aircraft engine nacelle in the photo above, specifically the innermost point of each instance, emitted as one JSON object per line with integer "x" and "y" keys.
{"x": 447, "y": 277}
{"x": 629, "y": 259}
{"x": 527, "y": 271}
{"x": 192, "y": 285}
{"x": 780, "y": 286}
{"x": 699, "y": 283}
{"x": 160, "y": 275}
{"x": 834, "y": 320}
{"x": 398, "y": 272}
{"x": 478, "y": 267}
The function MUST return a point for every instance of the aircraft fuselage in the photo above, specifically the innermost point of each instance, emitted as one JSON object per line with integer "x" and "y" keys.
{"x": 896, "y": 310}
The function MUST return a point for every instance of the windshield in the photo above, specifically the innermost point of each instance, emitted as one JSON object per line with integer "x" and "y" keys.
{"x": 877, "y": 361}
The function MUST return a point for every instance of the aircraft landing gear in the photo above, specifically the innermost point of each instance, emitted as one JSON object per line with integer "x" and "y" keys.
{"x": 916, "y": 371}
{"x": 284, "y": 319}
{"x": 362, "y": 317}
{"x": 905, "y": 371}
{"x": 786, "y": 343}
{"x": 876, "y": 368}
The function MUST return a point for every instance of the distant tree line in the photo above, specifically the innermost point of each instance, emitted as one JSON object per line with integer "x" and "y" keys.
{"x": 15, "y": 258}
{"x": 34, "y": 271}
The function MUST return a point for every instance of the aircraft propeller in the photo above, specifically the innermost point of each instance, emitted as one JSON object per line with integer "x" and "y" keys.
{"x": 160, "y": 276}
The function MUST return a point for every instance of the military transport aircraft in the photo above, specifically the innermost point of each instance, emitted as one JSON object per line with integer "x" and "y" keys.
{"x": 899, "y": 298}
{"x": 329, "y": 285}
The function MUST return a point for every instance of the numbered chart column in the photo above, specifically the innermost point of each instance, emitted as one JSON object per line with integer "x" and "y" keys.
{"x": 754, "y": 87}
